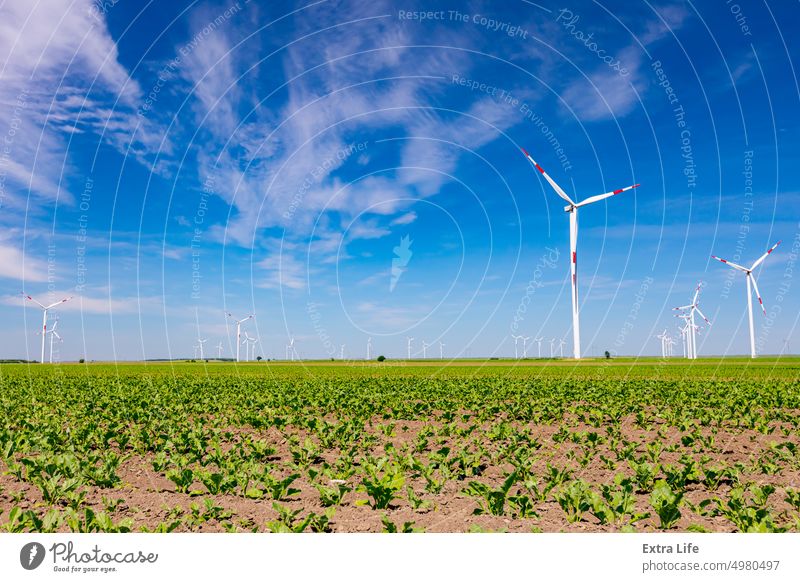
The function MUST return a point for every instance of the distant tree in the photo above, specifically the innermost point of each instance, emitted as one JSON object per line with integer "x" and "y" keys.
{"x": 81, "y": 361}
{"x": 381, "y": 358}
{"x": 608, "y": 355}
{"x": 259, "y": 358}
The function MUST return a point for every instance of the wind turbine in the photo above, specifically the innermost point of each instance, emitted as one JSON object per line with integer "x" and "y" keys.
{"x": 552, "y": 353}
{"x": 341, "y": 353}
{"x": 516, "y": 339}
{"x": 408, "y": 346}
{"x": 751, "y": 280}
{"x": 688, "y": 349}
{"x": 525, "y": 346}
{"x": 200, "y": 343}
{"x": 425, "y": 346}
{"x": 692, "y": 307}
{"x": 369, "y": 348}
{"x": 246, "y": 342}
{"x": 663, "y": 337}
{"x": 219, "y": 350}
{"x": 572, "y": 209}
{"x": 561, "y": 344}
{"x": 239, "y": 323}
{"x": 441, "y": 350}
{"x": 53, "y": 333}
{"x": 253, "y": 342}
{"x": 45, "y": 309}
{"x": 538, "y": 341}
{"x": 290, "y": 352}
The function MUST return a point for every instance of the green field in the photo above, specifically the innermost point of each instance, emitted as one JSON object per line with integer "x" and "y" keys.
{"x": 599, "y": 445}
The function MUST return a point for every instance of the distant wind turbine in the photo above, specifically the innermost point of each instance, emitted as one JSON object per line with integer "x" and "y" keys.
{"x": 751, "y": 281}
{"x": 45, "y": 309}
{"x": 408, "y": 346}
{"x": 690, "y": 311}
{"x": 538, "y": 341}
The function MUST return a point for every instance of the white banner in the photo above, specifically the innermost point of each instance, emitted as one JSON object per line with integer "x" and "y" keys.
{"x": 401, "y": 557}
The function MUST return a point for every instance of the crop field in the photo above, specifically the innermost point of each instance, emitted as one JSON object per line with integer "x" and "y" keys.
{"x": 711, "y": 445}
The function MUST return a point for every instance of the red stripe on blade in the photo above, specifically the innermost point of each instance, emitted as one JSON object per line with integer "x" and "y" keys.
{"x": 538, "y": 167}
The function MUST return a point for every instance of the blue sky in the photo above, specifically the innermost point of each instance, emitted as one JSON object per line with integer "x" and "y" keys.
{"x": 165, "y": 162}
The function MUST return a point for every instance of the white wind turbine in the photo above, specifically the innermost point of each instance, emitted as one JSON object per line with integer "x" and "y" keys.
{"x": 45, "y": 309}
{"x": 525, "y": 339}
{"x": 341, "y": 352}
{"x": 425, "y": 346}
{"x": 200, "y": 343}
{"x": 751, "y": 280}
{"x": 441, "y": 350}
{"x": 220, "y": 347}
{"x": 552, "y": 343}
{"x": 253, "y": 342}
{"x": 692, "y": 307}
{"x": 53, "y": 333}
{"x": 290, "y": 351}
{"x": 538, "y": 341}
{"x": 239, "y": 323}
{"x": 246, "y": 342}
{"x": 663, "y": 337}
{"x": 561, "y": 344}
{"x": 516, "y": 339}
{"x": 688, "y": 336}
{"x": 408, "y": 346}
{"x": 369, "y": 348}
{"x": 572, "y": 209}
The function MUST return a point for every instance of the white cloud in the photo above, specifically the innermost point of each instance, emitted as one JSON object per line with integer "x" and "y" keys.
{"x": 52, "y": 53}
{"x": 15, "y": 265}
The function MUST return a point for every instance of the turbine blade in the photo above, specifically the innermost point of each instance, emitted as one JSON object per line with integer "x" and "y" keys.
{"x": 764, "y": 256}
{"x": 734, "y": 265}
{"x": 696, "y": 293}
{"x": 758, "y": 294}
{"x": 703, "y": 316}
{"x": 555, "y": 186}
{"x": 59, "y": 302}
{"x": 599, "y": 197}
{"x": 34, "y": 300}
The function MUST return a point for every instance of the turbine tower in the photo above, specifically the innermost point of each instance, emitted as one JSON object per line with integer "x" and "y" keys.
{"x": 538, "y": 341}
{"x": 45, "y": 309}
{"x": 552, "y": 342}
{"x": 219, "y": 350}
{"x": 751, "y": 281}
{"x": 692, "y": 307}
{"x": 290, "y": 352}
{"x": 369, "y": 348}
{"x": 200, "y": 342}
{"x": 408, "y": 346}
{"x": 341, "y": 352}
{"x": 561, "y": 344}
{"x": 572, "y": 210}
{"x": 425, "y": 346}
{"x": 239, "y": 323}
{"x": 525, "y": 339}
{"x": 441, "y": 350}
